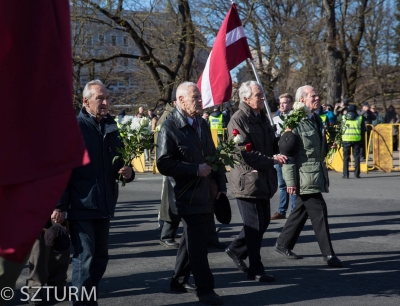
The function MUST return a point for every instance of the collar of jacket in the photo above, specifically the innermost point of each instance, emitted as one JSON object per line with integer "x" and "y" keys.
{"x": 250, "y": 114}
{"x": 180, "y": 119}
{"x": 109, "y": 123}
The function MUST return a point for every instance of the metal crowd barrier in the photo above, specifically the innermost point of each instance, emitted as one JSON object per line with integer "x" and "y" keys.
{"x": 380, "y": 151}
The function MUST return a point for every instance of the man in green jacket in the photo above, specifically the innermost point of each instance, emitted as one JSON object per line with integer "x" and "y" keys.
{"x": 306, "y": 175}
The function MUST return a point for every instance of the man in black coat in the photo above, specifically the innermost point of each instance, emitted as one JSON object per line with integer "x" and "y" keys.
{"x": 92, "y": 192}
{"x": 183, "y": 143}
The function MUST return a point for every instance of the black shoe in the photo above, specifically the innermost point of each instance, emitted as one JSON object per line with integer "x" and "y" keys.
{"x": 263, "y": 278}
{"x": 333, "y": 261}
{"x": 209, "y": 298}
{"x": 345, "y": 177}
{"x": 172, "y": 244}
{"x": 240, "y": 264}
{"x": 358, "y": 176}
{"x": 217, "y": 245}
{"x": 286, "y": 252}
{"x": 186, "y": 287}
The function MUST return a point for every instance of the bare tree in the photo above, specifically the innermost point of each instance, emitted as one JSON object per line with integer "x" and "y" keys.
{"x": 162, "y": 44}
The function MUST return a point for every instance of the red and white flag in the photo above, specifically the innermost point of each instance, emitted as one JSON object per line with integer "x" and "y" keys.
{"x": 229, "y": 50}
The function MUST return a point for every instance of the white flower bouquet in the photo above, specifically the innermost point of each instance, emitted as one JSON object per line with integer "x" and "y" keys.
{"x": 135, "y": 138}
{"x": 299, "y": 112}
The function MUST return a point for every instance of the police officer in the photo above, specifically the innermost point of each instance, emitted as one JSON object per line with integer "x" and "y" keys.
{"x": 351, "y": 138}
{"x": 216, "y": 121}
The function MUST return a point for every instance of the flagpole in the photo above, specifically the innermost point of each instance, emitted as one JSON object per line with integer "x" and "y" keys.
{"x": 265, "y": 98}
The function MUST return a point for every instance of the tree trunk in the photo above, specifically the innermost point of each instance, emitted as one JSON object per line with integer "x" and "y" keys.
{"x": 333, "y": 56}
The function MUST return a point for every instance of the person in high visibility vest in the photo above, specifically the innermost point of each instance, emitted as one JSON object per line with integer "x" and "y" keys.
{"x": 352, "y": 138}
{"x": 216, "y": 122}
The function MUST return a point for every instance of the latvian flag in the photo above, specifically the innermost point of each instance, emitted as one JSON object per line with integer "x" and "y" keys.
{"x": 229, "y": 50}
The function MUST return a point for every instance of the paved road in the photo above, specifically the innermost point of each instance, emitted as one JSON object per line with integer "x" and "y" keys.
{"x": 364, "y": 222}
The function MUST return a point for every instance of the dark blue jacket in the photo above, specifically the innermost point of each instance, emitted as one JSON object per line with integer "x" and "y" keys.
{"x": 92, "y": 190}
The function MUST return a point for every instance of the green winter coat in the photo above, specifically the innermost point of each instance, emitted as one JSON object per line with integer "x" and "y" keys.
{"x": 307, "y": 169}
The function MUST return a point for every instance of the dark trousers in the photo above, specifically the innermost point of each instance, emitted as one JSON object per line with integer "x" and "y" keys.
{"x": 90, "y": 241}
{"x": 312, "y": 205}
{"x": 46, "y": 266}
{"x": 192, "y": 252}
{"x": 169, "y": 229}
{"x": 256, "y": 215}
{"x": 346, "y": 157}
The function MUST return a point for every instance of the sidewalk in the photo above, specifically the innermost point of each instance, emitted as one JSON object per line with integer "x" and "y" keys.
{"x": 365, "y": 229}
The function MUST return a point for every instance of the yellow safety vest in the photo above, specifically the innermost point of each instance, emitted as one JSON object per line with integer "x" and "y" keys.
{"x": 323, "y": 118}
{"x": 353, "y": 130}
{"x": 216, "y": 123}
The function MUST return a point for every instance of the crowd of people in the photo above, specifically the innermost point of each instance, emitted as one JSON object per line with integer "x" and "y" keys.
{"x": 291, "y": 161}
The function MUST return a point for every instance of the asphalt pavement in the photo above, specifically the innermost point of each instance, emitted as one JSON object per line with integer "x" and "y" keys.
{"x": 364, "y": 217}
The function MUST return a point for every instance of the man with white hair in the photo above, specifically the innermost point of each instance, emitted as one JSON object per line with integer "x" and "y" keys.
{"x": 91, "y": 193}
{"x": 306, "y": 175}
{"x": 182, "y": 144}
{"x": 254, "y": 181}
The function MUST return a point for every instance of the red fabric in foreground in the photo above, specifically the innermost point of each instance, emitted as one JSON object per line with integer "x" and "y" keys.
{"x": 25, "y": 210}
{"x": 39, "y": 134}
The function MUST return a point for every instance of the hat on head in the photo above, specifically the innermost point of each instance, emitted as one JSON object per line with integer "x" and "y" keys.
{"x": 289, "y": 144}
{"x": 352, "y": 108}
{"x": 222, "y": 209}
{"x": 217, "y": 108}
{"x": 57, "y": 238}
{"x": 365, "y": 104}
{"x": 345, "y": 101}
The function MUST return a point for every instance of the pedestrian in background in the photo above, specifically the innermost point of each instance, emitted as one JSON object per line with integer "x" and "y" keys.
{"x": 351, "y": 140}
{"x": 285, "y": 106}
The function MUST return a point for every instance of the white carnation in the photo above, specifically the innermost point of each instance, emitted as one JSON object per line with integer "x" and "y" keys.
{"x": 238, "y": 139}
{"x": 144, "y": 121}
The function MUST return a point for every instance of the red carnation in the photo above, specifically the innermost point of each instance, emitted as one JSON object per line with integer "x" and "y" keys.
{"x": 249, "y": 147}
{"x": 235, "y": 132}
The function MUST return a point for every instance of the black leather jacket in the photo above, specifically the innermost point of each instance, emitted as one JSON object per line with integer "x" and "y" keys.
{"x": 180, "y": 151}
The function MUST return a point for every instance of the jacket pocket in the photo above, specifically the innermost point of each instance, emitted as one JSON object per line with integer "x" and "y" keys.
{"x": 254, "y": 183}
{"x": 84, "y": 194}
{"x": 310, "y": 176}
{"x": 311, "y": 140}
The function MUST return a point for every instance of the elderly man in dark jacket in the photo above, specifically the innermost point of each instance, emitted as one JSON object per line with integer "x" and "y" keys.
{"x": 92, "y": 191}
{"x": 183, "y": 143}
{"x": 254, "y": 181}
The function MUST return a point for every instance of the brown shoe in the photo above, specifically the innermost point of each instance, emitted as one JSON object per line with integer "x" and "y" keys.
{"x": 278, "y": 216}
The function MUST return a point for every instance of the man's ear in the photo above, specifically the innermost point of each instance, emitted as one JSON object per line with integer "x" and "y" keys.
{"x": 85, "y": 101}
